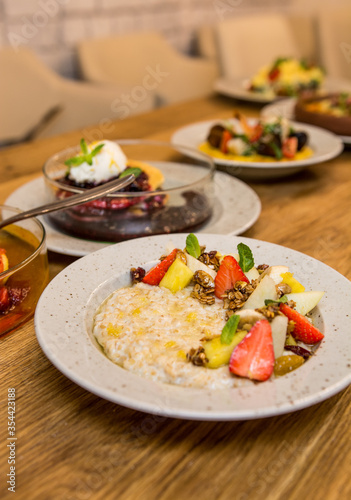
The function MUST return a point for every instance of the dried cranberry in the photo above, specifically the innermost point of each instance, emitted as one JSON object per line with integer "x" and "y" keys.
{"x": 300, "y": 351}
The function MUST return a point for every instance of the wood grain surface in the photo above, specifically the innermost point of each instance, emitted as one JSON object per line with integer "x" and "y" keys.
{"x": 74, "y": 445}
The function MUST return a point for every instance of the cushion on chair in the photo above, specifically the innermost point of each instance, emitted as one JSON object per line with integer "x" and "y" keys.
{"x": 146, "y": 61}
{"x": 246, "y": 43}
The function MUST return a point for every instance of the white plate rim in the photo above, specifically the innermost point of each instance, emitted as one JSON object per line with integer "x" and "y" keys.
{"x": 225, "y": 185}
{"x": 285, "y": 108}
{"x": 236, "y": 88}
{"x": 60, "y": 323}
{"x": 183, "y": 136}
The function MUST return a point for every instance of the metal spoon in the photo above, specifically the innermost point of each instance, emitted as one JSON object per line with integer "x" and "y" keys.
{"x": 78, "y": 199}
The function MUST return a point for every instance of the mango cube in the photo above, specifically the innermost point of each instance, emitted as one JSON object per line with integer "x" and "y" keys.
{"x": 178, "y": 276}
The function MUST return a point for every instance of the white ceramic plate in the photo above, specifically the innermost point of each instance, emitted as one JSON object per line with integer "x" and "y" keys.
{"x": 229, "y": 216}
{"x": 325, "y": 146}
{"x": 285, "y": 108}
{"x": 64, "y": 318}
{"x": 237, "y": 88}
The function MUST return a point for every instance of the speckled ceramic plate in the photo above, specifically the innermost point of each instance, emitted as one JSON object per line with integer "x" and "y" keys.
{"x": 229, "y": 216}
{"x": 64, "y": 319}
{"x": 324, "y": 144}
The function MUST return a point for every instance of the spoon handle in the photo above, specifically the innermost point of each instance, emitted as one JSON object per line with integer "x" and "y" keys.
{"x": 88, "y": 195}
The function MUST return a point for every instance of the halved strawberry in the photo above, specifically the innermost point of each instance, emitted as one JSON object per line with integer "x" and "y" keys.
{"x": 253, "y": 358}
{"x": 228, "y": 274}
{"x": 289, "y": 147}
{"x": 304, "y": 330}
{"x": 155, "y": 275}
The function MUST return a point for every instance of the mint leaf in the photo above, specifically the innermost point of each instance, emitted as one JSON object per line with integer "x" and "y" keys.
{"x": 131, "y": 170}
{"x": 277, "y": 151}
{"x": 193, "y": 246}
{"x": 97, "y": 149}
{"x": 84, "y": 147}
{"x": 246, "y": 260}
{"x": 282, "y": 300}
{"x": 229, "y": 329}
{"x": 75, "y": 162}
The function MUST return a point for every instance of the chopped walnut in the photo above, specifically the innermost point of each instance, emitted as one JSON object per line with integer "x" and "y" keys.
{"x": 204, "y": 279}
{"x": 262, "y": 267}
{"x": 282, "y": 289}
{"x": 197, "y": 356}
{"x": 181, "y": 256}
{"x": 137, "y": 274}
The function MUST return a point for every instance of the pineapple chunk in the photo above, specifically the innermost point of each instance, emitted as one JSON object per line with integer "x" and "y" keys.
{"x": 178, "y": 276}
{"x": 218, "y": 354}
{"x": 295, "y": 286}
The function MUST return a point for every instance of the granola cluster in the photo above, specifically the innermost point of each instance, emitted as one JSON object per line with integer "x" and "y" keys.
{"x": 210, "y": 259}
{"x": 197, "y": 356}
{"x": 235, "y": 298}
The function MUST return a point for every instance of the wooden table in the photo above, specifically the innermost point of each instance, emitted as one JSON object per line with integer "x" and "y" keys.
{"x": 74, "y": 445}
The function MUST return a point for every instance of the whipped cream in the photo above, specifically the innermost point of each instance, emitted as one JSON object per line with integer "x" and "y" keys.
{"x": 109, "y": 162}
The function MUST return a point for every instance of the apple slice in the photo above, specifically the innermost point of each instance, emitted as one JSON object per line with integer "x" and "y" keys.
{"x": 264, "y": 290}
{"x": 195, "y": 265}
{"x": 279, "y": 325}
{"x": 253, "y": 274}
{"x": 305, "y": 301}
{"x": 275, "y": 273}
{"x": 248, "y": 316}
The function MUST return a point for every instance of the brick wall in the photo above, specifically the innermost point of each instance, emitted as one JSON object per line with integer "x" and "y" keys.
{"x": 53, "y": 27}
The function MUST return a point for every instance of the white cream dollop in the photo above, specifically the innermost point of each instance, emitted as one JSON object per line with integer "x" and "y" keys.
{"x": 109, "y": 162}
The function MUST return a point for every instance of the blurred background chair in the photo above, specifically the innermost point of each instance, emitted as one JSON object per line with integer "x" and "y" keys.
{"x": 334, "y": 37}
{"x": 36, "y": 102}
{"x": 244, "y": 44}
{"x": 146, "y": 61}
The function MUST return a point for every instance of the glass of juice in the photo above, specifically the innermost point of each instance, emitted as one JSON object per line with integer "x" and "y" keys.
{"x": 24, "y": 270}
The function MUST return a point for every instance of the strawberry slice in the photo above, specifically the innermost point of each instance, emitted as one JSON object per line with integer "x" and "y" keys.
{"x": 289, "y": 147}
{"x": 303, "y": 330}
{"x": 155, "y": 275}
{"x": 253, "y": 358}
{"x": 228, "y": 274}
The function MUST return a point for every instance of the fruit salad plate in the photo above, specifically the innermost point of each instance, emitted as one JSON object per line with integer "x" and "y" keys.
{"x": 64, "y": 324}
{"x": 324, "y": 144}
{"x": 238, "y": 89}
{"x": 227, "y": 192}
